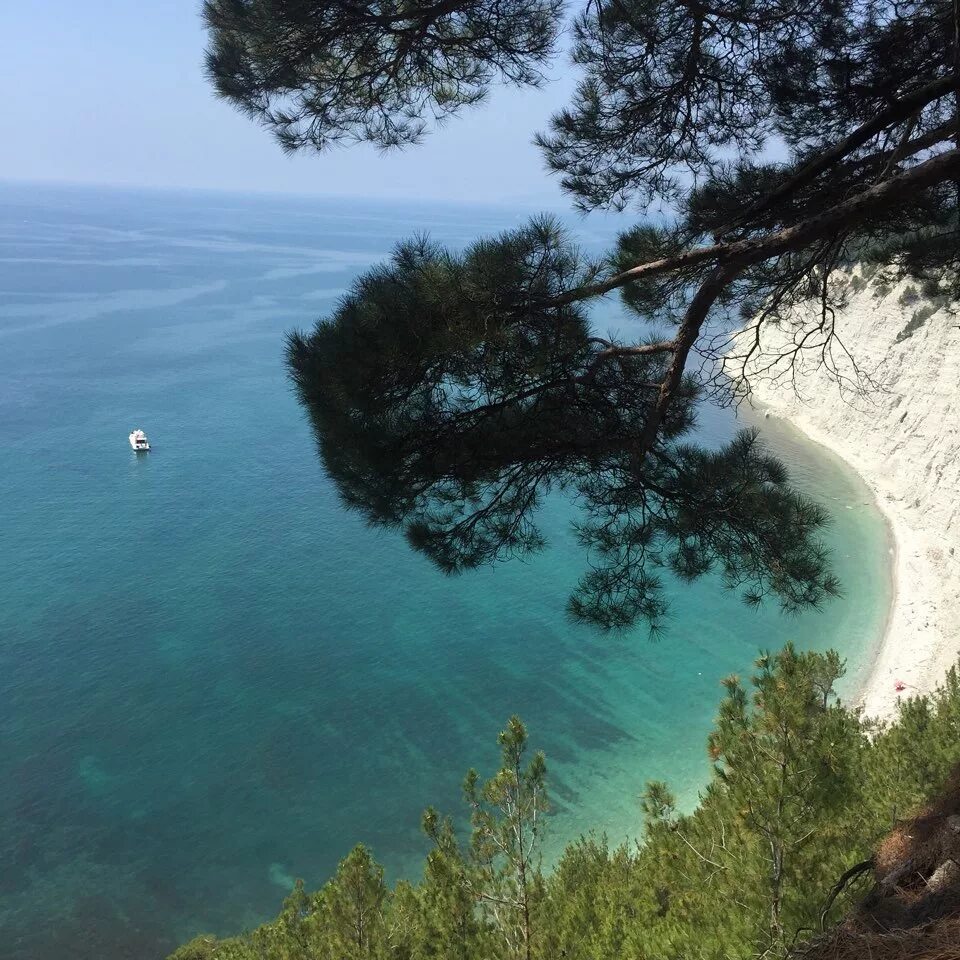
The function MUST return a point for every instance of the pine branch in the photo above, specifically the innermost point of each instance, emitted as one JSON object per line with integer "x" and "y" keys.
{"x": 743, "y": 253}
{"x": 900, "y": 109}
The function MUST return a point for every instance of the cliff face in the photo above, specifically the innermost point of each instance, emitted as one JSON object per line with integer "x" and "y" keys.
{"x": 894, "y": 416}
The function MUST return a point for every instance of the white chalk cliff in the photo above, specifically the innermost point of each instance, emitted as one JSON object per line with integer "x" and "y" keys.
{"x": 901, "y": 432}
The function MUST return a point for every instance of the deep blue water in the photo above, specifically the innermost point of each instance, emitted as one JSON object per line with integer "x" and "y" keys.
{"x": 212, "y": 678}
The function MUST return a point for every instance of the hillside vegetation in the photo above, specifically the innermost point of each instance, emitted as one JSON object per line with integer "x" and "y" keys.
{"x": 803, "y": 789}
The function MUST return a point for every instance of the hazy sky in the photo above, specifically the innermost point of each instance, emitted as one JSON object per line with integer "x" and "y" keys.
{"x": 96, "y": 91}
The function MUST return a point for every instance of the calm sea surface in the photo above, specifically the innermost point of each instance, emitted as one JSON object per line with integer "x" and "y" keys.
{"x": 212, "y": 678}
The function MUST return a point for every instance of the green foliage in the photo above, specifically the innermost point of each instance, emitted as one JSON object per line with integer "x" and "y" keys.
{"x": 451, "y": 391}
{"x": 917, "y": 319}
{"x": 448, "y": 923}
{"x": 765, "y": 748}
{"x": 858, "y": 284}
{"x": 207, "y": 947}
{"x": 660, "y": 297}
{"x": 316, "y": 72}
{"x": 925, "y": 250}
{"x": 908, "y": 296}
{"x": 203, "y": 947}
{"x": 671, "y": 89}
{"x": 351, "y": 908}
{"x": 507, "y": 816}
{"x": 803, "y": 787}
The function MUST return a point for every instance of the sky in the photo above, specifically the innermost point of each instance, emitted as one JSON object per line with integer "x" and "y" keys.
{"x": 113, "y": 92}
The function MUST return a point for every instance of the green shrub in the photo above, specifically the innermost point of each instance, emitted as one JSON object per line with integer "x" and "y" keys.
{"x": 916, "y": 321}
{"x": 909, "y": 295}
{"x": 799, "y": 779}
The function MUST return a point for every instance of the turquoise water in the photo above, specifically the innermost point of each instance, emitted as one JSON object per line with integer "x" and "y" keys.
{"x": 212, "y": 679}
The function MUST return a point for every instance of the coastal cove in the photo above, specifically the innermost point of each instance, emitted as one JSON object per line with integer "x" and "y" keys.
{"x": 214, "y": 679}
{"x": 896, "y": 421}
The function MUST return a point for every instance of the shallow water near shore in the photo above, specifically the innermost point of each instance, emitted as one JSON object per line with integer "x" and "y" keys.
{"x": 212, "y": 678}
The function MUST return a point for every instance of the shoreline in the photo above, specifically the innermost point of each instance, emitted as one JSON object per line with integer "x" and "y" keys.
{"x": 902, "y": 438}
{"x": 872, "y": 689}
{"x": 913, "y": 649}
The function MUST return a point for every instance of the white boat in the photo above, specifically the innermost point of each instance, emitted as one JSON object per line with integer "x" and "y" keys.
{"x": 139, "y": 441}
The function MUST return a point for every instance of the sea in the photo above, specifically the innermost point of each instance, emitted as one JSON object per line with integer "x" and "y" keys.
{"x": 213, "y": 678}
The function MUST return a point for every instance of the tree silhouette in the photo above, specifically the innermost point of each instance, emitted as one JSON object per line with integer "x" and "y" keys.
{"x": 450, "y": 391}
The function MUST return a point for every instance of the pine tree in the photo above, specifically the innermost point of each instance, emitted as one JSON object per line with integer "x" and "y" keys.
{"x": 787, "y": 762}
{"x": 803, "y": 789}
{"x": 507, "y": 816}
{"x": 451, "y": 391}
{"x": 451, "y": 926}
{"x": 352, "y": 907}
